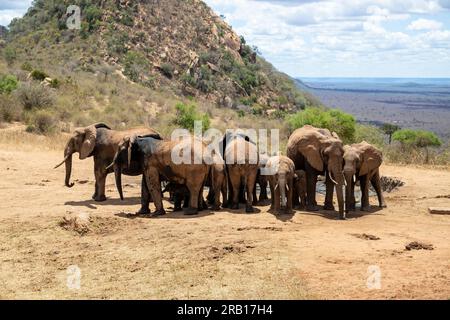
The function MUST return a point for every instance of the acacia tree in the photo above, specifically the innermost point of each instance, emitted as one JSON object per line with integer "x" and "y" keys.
{"x": 389, "y": 129}
{"x": 417, "y": 138}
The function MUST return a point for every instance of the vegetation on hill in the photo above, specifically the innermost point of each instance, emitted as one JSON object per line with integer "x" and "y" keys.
{"x": 162, "y": 64}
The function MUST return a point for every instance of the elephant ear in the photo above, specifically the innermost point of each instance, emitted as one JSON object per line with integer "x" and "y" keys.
{"x": 369, "y": 162}
{"x": 310, "y": 149}
{"x": 88, "y": 145}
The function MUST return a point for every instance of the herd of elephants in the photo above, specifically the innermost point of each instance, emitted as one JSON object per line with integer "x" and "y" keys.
{"x": 311, "y": 152}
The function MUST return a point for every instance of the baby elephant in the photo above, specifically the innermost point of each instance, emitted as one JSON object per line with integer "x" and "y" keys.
{"x": 180, "y": 195}
{"x": 300, "y": 186}
{"x": 362, "y": 162}
{"x": 281, "y": 172}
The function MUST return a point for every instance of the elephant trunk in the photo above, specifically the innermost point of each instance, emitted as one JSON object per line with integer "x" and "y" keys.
{"x": 282, "y": 186}
{"x": 337, "y": 176}
{"x": 118, "y": 176}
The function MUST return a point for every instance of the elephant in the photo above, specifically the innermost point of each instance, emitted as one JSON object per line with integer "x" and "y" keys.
{"x": 362, "y": 162}
{"x": 319, "y": 152}
{"x": 282, "y": 177}
{"x": 100, "y": 142}
{"x": 159, "y": 162}
{"x": 300, "y": 187}
{"x": 218, "y": 182}
{"x": 241, "y": 157}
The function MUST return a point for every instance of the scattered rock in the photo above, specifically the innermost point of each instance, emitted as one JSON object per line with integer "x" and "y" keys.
{"x": 260, "y": 228}
{"x": 366, "y": 236}
{"x": 418, "y": 246}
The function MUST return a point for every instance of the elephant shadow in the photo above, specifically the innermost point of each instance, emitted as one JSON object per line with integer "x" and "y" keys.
{"x": 168, "y": 215}
{"x": 283, "y": 217}
{"x": 92, "y": 204}
{"x": 334, "y": 215}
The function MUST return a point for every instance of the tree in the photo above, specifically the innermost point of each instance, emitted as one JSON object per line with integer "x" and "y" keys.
{"x": 187, "y": 115}
{"x": 334, "y": 120}
{"x": 417, "y": 139}
{"x": 389, "y": 129}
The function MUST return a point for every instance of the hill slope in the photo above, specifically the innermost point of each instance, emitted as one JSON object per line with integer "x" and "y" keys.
{"x": 178, "y": 46}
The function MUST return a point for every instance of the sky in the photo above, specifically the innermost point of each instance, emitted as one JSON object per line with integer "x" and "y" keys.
{"x": 335, "y": 38}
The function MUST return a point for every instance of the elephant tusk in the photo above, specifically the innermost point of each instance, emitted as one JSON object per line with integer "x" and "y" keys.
{"x": 109, "y": 167}
{"x": 345, "y": 181}
{"x": 65, "y": 159}
{"x": 334, "y": 181}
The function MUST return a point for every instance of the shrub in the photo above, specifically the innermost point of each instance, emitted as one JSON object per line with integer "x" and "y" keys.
{"x": 38, "y": 75}
{"x": 205, "y": 81}
{"x": 417, "y": 139}
{"x": 334, "y": 120}
{"x": 93, "y": 15}
{"x": 42, "y": 122}
{"x": 188, "y": 114}
{"x": 10, "y": 55}
{"x": 167, "y": 70}
{"x": 8, "y": 83}
{"x": 26, "y": 66}
{"x": 34, "y": 96}
{"x": 10, "y": 109}
{"x": 134, "y": 65}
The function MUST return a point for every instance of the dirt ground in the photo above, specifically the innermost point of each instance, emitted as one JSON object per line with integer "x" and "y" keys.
{"x": 224, "y": 255}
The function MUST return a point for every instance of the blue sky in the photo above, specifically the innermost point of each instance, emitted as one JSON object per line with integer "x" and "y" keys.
{"x": 335, "y": 38}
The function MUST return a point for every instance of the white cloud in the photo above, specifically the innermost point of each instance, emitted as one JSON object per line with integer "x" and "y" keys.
{"x": 425, "y": 24}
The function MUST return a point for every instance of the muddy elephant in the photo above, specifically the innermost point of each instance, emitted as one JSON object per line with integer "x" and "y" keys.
{"x": 300, "y": 187}
{"x": 101, "y": 143}
{"x": 218, "y": 182}
{"x": 281, "y": 182}
{"x": 362, "y": 162}
{"x": 262, "y": 180}
{"x": 319, "y": 152}
{"x": 241, "y": 157}
{"x": 167, "y": 160}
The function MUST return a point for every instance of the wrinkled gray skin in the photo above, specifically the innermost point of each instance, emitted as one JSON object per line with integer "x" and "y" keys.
{"x": 101, "y": 143}
{"x": 362, "y": 163}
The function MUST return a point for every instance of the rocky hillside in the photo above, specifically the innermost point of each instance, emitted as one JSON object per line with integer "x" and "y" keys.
{"x": 180, "y": 46}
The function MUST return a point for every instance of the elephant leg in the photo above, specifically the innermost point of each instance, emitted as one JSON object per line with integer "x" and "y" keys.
{"x": 242, "y": 193}
{"x": 365, "y": 193}
{"x": 289, "y": 196}
{"x": 376, "y": 183}
{"x": 272, "y": 194}
{"x": 329, "y": 194}
{"x": 95, "y": 190}
{"x": 194, "y": 192}
{"x": 352, "y": 196}
{"x": 224, "y": 190}
{"x": 100, "y": 182}
{"x": 263, "y": 185}
{"x": 235, "y": 180}
{"x": 177, "y": 200}
{"x": 295, "y": 197}
{"x": 211, "y": 195}
{"x": 145, "y": 198}
{"x": 311, "y": 182}
{"x": 154, "y": 186}
{"x": 277, "y": 199}
{"x": 250, "y": 186}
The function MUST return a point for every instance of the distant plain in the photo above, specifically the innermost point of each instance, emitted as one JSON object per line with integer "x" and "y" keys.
{"x": 416, "y": 103}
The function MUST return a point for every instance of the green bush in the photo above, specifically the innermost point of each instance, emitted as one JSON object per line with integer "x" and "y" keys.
{"x": 34, "y": 96}
{"x": 26, "y": 66}
{"x": 38, "y": 75}
{"x": 8, "y": 83}
{"x": 167, "y": 70}
{"x": 389, "y": 129}
{"x": 205, "y": 82}
{"x": 92, "y": 15}
{"x": 187, "y": 115}
{"x": 417, "y": 139}
{"x": 134, "y": 65}
{"x": 334, "y": 120}
{"x": 42, "y": 122}
{"x": 10, "y": 55}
